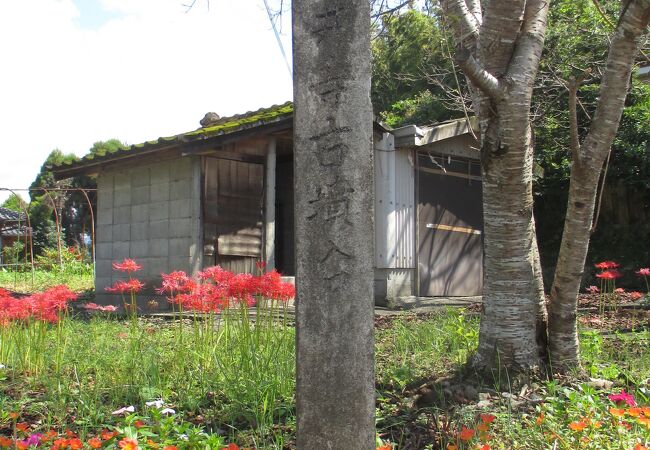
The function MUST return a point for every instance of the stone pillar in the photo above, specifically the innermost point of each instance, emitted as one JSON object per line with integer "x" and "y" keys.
{"x": 333, "y": 170}
{"x": 269, "y": 190}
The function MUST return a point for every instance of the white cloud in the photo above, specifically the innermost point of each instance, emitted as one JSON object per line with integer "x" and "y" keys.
{"x": 149, "y": 70}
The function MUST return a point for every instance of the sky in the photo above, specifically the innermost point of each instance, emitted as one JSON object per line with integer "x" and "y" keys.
{"x": 73, "y": 72}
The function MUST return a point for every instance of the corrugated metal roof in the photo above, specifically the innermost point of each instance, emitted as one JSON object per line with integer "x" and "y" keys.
{"x": 7, "y": 215}
{"x": 224, "y": 126}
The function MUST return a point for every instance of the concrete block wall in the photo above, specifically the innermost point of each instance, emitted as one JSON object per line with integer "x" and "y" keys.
{"x": 151, "y": 213}
{"x": 391, "y": 284}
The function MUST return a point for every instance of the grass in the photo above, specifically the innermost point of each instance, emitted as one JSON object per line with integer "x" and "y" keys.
{"x": 235, "y": 386}
{"x": 24, "y": 281}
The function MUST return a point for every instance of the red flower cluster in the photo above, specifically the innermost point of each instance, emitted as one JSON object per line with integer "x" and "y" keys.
{"x": 610, "y": 274}
{"x": 644, "y": 272}
{"x": 606, "y": 265}
{"x": 43, "y": 306}
{"x": 219, "y": 289}
{"x": 125, "y": 286}
{"x": 127, "y": 265}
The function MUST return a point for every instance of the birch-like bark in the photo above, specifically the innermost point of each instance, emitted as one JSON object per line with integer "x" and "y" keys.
{"x": 502, "y": 66}
{"x": 563, "y": 336}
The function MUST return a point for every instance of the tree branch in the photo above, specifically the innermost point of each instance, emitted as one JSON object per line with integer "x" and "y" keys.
{"x": 462, "y": 21}
{"x": 573, "y": 120}
{"x": 480, "y": 77}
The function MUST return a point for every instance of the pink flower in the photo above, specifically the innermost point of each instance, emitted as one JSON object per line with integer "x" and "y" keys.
{"x": 636, "y": 295}
{"x": 593, "y": 289}
{"x": 645, "y": 272}
{"x": 127, "y": 265}
{"x": 622, "y": 397}
{"x": 619, "y": 291}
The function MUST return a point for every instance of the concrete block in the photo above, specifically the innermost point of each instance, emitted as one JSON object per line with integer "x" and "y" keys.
{"x": 180, "y": 228}
{"x": 122, "y": 232}
{"x": 104, "y": 233}
{"x": 156, "y": 266}
{"x": 139, "y": 213}
{"x": 159, "y": 229}
{"x": 122, "y": 196}
{"x": 159, "y": 192}
{"x": 139, "y": 249}
{"x": 180, "y": 208}
{"x": 101, "y": 283}
{"x": 104, "y": 250}
{"x": 140, "y": 177}
{"x": 121, "y": 179}
{"x": 104, "y": 268}
{"x": 159, "y": 173}
{"x": 140, "y": 231}
{"x": 120, "y": 250}
{"x": 158, "y": 247}
{"x": 158, "y": 211}
{"x": 122, "y": 215}
{"x": 105, "y": 197}
{"x": 181, "y": 169}
{"x": 140, "y": 195}
{"x": 180, "y": 247}
{"x": 180, "y": 263}
{"x": 180, "y": 190}
{"x": 104, "y": 217}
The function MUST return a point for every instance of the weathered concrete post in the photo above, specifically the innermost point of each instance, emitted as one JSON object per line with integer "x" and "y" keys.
{"x": 334, "y": 225}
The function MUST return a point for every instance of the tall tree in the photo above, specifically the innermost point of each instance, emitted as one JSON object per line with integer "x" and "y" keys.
{"x": 499, "y": 45}
{"x": 588, "y": 157}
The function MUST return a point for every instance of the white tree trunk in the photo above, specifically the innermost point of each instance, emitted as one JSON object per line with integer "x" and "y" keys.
{"x": 587, "y": 163}
{"x": 499, "y": 53}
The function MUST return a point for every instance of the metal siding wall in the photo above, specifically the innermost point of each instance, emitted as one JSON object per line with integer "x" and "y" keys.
{"x": 404, "y": 209}
{"x": 385, "y": 203}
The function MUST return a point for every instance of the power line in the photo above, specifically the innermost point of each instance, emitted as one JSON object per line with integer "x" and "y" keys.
{"x": 277, "y": 37}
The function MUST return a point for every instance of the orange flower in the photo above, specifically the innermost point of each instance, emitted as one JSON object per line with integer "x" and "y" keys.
{"x": 22, "y": 426}
{"x": 5, "y": 442}
{"x": 385, "y": 447}
{"x": 60, "y": 443}
{"x": 617, "y": 412}
{"x": 646, "y": 411}
{"x": 13, "y": 415}
{"x": 128, "y": 444}
{"x": 483, "y": 427}
{"x": 540, "y": 419}
{"x": 138, "y": 424}
{"x": 170, "y": 447}
{"x": 231, "y": 447}
{"x": 645, "y": 421}
{"x": 484, "y": 447}
{"x": 95, "y": 442}
{"x": 598, "y": 424}
{"x": 488, "y": 418}
{"x": 634, "y": 412}
{"x": 21, "y": 445}
{"x": 51, "y": 434}
{"x": 466, "y": 434}
{"x": 451, "y": 447}
{"x": 106, "y": 435}
{"x": 75, "y": 444}
{"x": 152, "y": 444}
{"x": 577, "y": 426}
{"x": 640, "y": 447}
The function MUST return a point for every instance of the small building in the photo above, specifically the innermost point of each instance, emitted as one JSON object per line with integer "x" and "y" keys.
{"x": 12, "y": 228}
{"x": 223, "y": 194}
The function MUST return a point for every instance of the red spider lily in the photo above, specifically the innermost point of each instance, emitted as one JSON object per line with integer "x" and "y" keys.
{"x": 645, "y": 272}
{"x": 44, "y": 306}
{"x": 619, "y": 291}
{"x": 592, "y": 290}
{"x": 609, "y": 274}
{"x": 622, "y": 397}
{"x": 176, "y": 282}
{"x": 95, "y": 307}
{"x": 120, "y": 287}
{"x": 636, "y": 295}
{"x": 127, "y": 265}
{"x": 605, "y": 265}
{"x": 216, "y": 274}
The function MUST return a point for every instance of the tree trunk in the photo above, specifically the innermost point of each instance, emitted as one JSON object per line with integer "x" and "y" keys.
{"x": 499, "y": 53}
{"x": 587, "y": 163}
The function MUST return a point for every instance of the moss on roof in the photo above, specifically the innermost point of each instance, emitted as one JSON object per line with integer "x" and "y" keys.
{"x": 226, "y": 125}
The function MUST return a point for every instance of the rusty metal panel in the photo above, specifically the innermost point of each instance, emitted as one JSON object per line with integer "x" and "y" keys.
{"x": 450, "y": 226}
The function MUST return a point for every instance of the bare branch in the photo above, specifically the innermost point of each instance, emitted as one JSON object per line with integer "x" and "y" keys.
{"x": 383, "y": 12}
{"x": 573, "y": 120}
{"x": 481, "y": 78}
